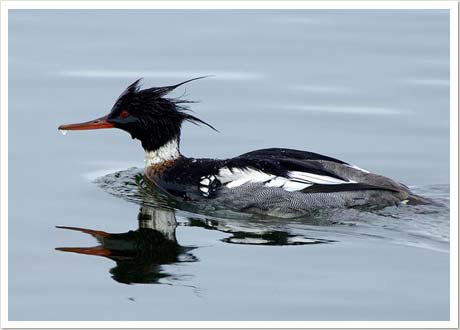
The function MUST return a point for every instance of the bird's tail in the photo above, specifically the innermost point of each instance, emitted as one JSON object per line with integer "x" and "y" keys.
{"x": 420, "y": 200}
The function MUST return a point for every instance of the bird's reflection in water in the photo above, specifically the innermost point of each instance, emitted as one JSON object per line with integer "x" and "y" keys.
{"x": 140, "y": 254}
{"x": 254, "y": 235}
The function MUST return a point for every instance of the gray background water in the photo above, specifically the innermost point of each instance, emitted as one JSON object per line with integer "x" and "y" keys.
{"x": 368, "y": 87}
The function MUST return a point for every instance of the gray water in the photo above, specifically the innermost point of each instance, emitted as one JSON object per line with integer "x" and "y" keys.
{"x": 368, "y": 87}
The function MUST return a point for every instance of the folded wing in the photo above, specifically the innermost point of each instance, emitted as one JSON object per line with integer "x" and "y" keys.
{"x": 293, "y": 170}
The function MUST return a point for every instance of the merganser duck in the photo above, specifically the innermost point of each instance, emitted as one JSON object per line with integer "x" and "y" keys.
{"x": 276, "y": 182}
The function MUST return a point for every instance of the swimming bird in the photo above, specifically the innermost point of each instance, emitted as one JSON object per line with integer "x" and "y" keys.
{"x": 275, "y": 181}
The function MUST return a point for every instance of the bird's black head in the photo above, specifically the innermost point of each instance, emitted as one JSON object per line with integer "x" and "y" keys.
{"x": 147, "y": 114}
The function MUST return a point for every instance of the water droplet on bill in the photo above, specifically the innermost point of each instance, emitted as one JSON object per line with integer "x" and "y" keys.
{"x": 63, "y": 131}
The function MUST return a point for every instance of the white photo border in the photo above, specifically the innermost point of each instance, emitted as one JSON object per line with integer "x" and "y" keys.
{"x": 452, "y": 6}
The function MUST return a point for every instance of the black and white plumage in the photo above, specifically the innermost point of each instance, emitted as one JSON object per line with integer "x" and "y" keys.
{"x": 280, "y": 182}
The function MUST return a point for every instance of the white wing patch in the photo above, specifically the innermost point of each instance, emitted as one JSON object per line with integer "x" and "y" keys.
{"x": 295, "y": 180}
{"x": 287, "y": 184}
{"x": 315, "y": 178}
{"x": 236, "y": 177}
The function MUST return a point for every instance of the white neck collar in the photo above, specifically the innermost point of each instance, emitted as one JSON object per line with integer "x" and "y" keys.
{"x": 169, "y": 151}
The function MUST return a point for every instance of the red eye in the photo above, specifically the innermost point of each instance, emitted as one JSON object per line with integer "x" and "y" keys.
{"x": 124, "y": 114}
